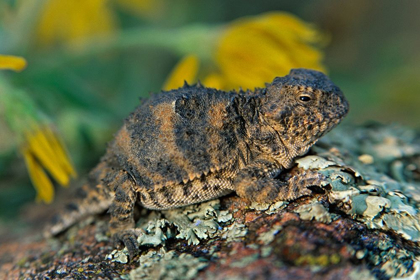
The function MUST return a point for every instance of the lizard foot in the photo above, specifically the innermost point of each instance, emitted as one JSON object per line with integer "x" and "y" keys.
{"x": 129, "y": 238}
{"x": 299, "y": 184}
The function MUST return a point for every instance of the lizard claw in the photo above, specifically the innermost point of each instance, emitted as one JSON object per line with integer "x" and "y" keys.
{"x": 298, "y": 185}
{"x": 129, "y": 238}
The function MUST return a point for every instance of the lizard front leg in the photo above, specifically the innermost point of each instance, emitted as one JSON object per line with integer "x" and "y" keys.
{"x": 122, "y": 225}
{"x": 256, "y": 182}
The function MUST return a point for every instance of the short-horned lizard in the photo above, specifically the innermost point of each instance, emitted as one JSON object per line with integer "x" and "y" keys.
{"x": 194, "y": 143}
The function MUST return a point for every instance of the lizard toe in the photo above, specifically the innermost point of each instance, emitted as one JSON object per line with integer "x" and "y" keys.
{"x": 129, "y": 239}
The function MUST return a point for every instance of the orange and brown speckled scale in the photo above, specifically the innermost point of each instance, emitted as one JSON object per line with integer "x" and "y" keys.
{"x": 195, "y": 143}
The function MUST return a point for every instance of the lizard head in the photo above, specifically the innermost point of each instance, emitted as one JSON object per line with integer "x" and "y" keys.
{"x": 302, "y": 107}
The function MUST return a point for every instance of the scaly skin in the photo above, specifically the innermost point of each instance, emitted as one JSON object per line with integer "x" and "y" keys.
{"x": 195, "y": 143}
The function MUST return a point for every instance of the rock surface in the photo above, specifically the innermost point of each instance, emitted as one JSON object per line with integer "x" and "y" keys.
{"x": 363, "y": 223}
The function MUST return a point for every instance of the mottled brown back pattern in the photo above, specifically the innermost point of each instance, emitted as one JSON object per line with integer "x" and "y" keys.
{"x": 195, "y": 143}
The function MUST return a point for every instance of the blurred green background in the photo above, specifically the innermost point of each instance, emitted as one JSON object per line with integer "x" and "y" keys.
{"x": 86, "y": 86}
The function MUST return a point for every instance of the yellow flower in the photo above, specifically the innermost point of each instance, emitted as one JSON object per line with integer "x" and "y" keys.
{"x": 255, "y": 50}
{"x": 73, "y": 22}
{"x": 185, "y": 70}
{"x": 252, "y": 51}
{"x": 41, "y": 146}
{"x": 63, "y": 21}
{"x": 42, "y": 149}
{"x": 11, "y": 62}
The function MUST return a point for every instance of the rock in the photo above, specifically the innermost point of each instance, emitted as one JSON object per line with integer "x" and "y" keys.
{"x": 362, "y": 223}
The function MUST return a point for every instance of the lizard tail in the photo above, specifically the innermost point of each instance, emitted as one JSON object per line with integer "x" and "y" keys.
{"x": 91, "y": 198}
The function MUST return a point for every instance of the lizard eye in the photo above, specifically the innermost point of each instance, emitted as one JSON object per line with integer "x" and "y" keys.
{"x": 304, "y": 98}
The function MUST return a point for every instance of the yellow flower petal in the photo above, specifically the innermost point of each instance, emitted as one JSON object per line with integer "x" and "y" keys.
{"x": 254, "y": 50}
{"x": 213, "y": 80}
{"x": 43, "y": 185}
{"x": 296, "y": 37}
{"x": 60, "y": 153}
{"x": 11, "y": 62}
{"x": 63, "y": 21}
{"x": 292, "y": 25}
{"x": 43, "y": 149}
{"x": 43, "y": 145}
{"x": 185, "y": 70}
{"x": 250, "y": 61}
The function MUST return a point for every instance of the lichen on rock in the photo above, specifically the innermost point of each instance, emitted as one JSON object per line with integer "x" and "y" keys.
{"x": 314, "y": 211}
{"x": 361, "y": 223}
{"x": 354, "y": 185}
{"x": 197, "y": 222}
{"x": 167, "y": 265}
{"x": 372, "y": 197}
{"x": 192, "y": 223}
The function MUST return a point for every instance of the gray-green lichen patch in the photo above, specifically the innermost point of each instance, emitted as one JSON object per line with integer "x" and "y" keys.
{"x": 196, "y": 222}
{"x": 234, "y": 232}
{"x": 314, "y": 162}
{"x": 155, "y": 233}
{"x": 375, "y": 205}
{"x": 363, "y": 190}
{"x": 267, "y": 237}
{"x": 167, "y": 265}
{"x": 395, "y": 263}
{"x": 259, "y": 206}
{"x": 314, "y": 211}
{"x": 274, "y": 208}
{"x": 224, "y": 216}
{"x": 372, "y": 176}
{"x": 269, "y": 208}
{"x": 120, "y": 256}
{"x": 192, "y": 223}
{"x": 364, "y": 274}
{"x": 415, "y": 275}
